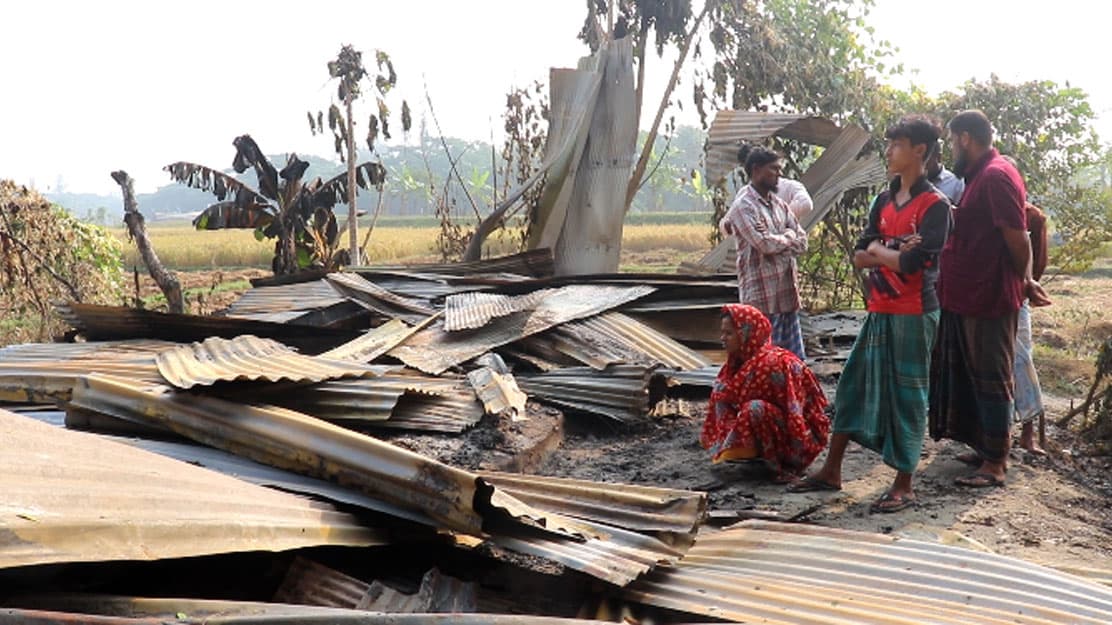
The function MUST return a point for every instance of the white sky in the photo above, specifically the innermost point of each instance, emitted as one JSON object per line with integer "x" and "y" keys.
{"x": 89, "y": 87}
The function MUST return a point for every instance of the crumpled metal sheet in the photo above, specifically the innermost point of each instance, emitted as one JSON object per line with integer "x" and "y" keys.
{"x": 624, "y": 393}
{"x": 730, "y": 128}
{"x": 248, "y": 358}
{"x": 633, "y": 507}
{"x": 292, "y": 300}
{"x": 782, "y": 573}
{"x": 115, "y": 610}
{"x": 614, "y": 338}
{"x": 379, "y": 299}
{"x": 391, "y": 401}
{"x": 434, "y": 350}
{"x": 467, "y": 311}
{"x": 105, "y": 323}
{"x": 76, "y": 497}
{"x": 311, "y": 583}
{"x": 457, "y": 499}
{"x": 375, "y": 342}
{"x": 46, "y": 372}
{"x": 537, "y": 263}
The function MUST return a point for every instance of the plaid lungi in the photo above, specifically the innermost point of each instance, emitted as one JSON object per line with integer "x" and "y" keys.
{"x": 787, "y": 333}
{"x": 881, "y": 400}
{"x": 972, "y": 388}
{"x": 1028, "y": 394}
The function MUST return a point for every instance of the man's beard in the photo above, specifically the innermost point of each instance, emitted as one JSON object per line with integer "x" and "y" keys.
{"x": 961, "y": 162}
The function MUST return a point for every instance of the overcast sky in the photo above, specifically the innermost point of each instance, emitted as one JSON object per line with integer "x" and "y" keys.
{"x": 90, "y": 87}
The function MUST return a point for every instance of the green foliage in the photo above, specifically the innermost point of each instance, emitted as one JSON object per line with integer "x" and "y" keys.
{"x": 1082, "y": 219}
{"x": 47, "y": 255}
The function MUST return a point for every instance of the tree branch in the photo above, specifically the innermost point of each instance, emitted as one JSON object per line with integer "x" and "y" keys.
{"x": 166, "y": 280}
{"x": 451, "y": 161}
{"x": 646, "y": 151}
{"x": 42, "y": 263}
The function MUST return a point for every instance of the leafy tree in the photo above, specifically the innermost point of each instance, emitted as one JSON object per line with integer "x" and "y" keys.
{"x": 298, "y": 215}
{"x": 47, "y": 254}
{"x": 348, "y": 70}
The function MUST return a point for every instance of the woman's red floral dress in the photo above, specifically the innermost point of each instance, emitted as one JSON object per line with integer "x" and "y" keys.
{"x": 766, "y": 403}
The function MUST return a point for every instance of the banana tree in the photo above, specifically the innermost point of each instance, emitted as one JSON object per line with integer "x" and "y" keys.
{"x": 297, "y": 215}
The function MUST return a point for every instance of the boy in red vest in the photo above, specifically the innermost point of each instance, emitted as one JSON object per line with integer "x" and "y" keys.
{"x": 882, "y": 396}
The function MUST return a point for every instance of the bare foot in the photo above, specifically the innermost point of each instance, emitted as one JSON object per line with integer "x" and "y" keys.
{"x": 1028, "y": 442}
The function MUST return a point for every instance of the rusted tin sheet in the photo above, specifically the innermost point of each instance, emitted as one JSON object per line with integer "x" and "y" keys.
{"x": 434, "y": 350}
{"x": 376, "y": 342}
{"x": 46, "y": 372}
{"x": 248, "y": 358}
{"x": 625, "y": 393}
{"x": 456, "y": 499}
{"x": 290, "y": 299}
{"x": 536, "y": 263}
{"x": 380, "y": 299}
{"x": 390, "y": 400}
{"x": 783, "y": 574}
{"x": 113, "y": 610}
{"x": 633, "y": 507}
{"x": 613, "y": 338}
{"x": 467, "y": 311}
{"x": 311, "y": 583}
{"x": 75, "y": 497}
{"x": 118, "y": 322}
{"x": 731, "y": 128}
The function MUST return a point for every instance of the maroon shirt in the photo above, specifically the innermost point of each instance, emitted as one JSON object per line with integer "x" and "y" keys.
{"x": 977, "y": 277}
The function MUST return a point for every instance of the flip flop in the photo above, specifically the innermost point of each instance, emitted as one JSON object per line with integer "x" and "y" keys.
{"x": 901, "y": 503}
{"x": 811, "y": 484}
{"x": 979, "y": 480}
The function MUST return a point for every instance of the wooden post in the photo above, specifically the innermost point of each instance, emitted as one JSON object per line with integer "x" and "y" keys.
{"x": 353, "y": 227}
{"x": 166, "y": 280}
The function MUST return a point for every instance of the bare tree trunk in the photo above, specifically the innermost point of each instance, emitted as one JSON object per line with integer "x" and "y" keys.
{"x": 166, "y": 280}
{"x": 650, "y": 139}
{"x": 353, "y": 227}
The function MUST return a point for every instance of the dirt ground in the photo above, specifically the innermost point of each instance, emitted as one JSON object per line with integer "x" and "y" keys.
{"x": 1055, "y": 510}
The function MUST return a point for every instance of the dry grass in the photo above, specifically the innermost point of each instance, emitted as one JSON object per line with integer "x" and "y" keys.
{"x": 1069, "y": 333}
{"x": 182, "y": 247}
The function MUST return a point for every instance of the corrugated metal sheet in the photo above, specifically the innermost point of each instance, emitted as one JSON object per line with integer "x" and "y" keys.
{"x": 434, "y": 350}
{"x": 293, "y": 299}
{"x": 612, "y": 338}
{"x": 117, "y": 322}
{"x": 633, "y": 507}
{"x": 457, "y": 499}
{"x": 112, "y": 610}
{"x": 866, "y": 171}
{"x": 46, "y": 372}
{"x": 702, "y": 378}
{"x": 310, "y": 583}
{"x": 730, "y": 128}
{"x": 537, "y": 263}
{"x": 622, "y": 392}
{"x": 790, "y": 574}
{"x": 379, "y": 299}
{"x": 375, "y": 342}
{"x": 498, "y": 391}
{"x": 248, "y": 358}
{"x": 74, "y": 497}
{"x": 389, "y": 401}
{"x": 467, "y": 311}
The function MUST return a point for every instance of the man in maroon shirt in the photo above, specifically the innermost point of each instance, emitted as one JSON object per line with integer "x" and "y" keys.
{"x": 982, "y": 282}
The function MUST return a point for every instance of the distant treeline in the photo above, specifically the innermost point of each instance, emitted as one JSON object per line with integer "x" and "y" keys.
{"x": 417, "y": 174}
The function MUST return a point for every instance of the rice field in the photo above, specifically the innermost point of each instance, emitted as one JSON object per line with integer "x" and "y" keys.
{"x": 182, "y": 247}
